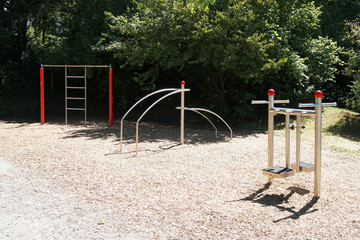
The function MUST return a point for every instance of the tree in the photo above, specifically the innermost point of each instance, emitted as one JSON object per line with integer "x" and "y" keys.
{"x": 235, "y": 47}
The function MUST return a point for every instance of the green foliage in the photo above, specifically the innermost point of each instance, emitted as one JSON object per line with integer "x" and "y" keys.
{"x": 353, "y": 70}
{"x": 233, "y": 47}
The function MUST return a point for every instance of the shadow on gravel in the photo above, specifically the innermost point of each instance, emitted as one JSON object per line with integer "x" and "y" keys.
{"x": 153, "y": 132}
{"x": 275, "y": 200}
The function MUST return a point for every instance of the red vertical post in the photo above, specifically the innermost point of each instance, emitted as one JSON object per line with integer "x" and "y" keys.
{"x": 42, "y": 98}
{"x": 110, "y": 97}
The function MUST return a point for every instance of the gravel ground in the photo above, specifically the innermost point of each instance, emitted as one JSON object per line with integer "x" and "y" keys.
{"x": 71, "y": 182}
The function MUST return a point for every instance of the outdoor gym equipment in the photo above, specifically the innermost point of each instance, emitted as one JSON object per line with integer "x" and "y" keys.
{"x": 81, "y": 88}
{"x": 182, "y": 109}
{"x": 289, "y": 170}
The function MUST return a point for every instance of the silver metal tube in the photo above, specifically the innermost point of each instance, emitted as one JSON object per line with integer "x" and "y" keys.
{"x": 287, "y": 140}
{"x": 137, "y": 138}
{"x": 182, "y": 113}
{"x": 121, "y": 133}
{"x": 318, "y": 119}
{"x": 270, "y": 135}
{"x": 298, "y": 141}
{"x": 206, "y": 110}
{"x": 259, "y": 102}
{"x": 330, "y": 104}
{"x": 281, "y": 101}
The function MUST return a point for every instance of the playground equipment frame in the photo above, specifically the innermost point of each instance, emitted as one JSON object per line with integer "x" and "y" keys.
{"x": 272, "y": 171}
{"x": 172, "y": 91}
{"x": 42, "y": 97}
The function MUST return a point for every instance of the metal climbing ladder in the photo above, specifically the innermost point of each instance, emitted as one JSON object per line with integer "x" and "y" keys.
{"x": 82, "y": 96}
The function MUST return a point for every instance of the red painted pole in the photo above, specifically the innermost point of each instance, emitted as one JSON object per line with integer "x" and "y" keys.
{"x": 110, "y": 97}
{"x": 42, "y": 98}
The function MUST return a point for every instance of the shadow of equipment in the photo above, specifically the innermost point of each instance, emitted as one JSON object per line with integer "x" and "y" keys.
{"x": 275, "y": 200}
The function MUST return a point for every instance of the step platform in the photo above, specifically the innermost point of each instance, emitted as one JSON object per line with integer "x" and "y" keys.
{"x": 304, "y": 167}
{"x": 279, "y": 172}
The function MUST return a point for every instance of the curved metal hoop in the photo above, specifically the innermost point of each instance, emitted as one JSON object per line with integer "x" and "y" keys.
{"x": 152, "y": 105}
{"x": 133, "y": 106}
{"x": 206, "y": 110}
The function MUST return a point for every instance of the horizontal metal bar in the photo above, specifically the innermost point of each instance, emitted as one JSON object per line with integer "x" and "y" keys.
{"x": 294, "y": 113}
{"x": 76, "y": 109}
{"x": 281, "y": 101}
{"x": 75, "y": 98}
{"x": 99, "y": 66}
{"x": 75, "y": 76}
{"x": 290, "y": 110}
{"x": 75, "y": 87}
{"x": 330, "y": 104}
{"x": 307, "y": 105}
{"x": 259, "y": 102}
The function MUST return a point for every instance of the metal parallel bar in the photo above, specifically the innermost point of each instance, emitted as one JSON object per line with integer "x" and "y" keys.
{"x": 79, "y": 109}
{"x": 76, "y": 88}
{"x": 75, "y": 98}
{"x": 76, "y": 76}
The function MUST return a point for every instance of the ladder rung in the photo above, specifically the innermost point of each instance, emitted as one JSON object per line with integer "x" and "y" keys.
{"x": 75, "y": 87}
{"x": 75, "y": 98}
{"x": 75, "y": 77}
{"x": 78, "y": 109}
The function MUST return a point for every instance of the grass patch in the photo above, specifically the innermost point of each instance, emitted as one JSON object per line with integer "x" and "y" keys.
{"x": 340, "y": 129}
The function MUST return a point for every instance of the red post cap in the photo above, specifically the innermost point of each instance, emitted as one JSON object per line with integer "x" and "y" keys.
{"x": 271, "y": 92}
{"x": 318, "y": 94}
{"x": 182, "y": 82}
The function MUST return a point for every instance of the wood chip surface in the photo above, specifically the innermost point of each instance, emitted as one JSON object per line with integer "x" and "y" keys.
{"x": 72, "y": 182}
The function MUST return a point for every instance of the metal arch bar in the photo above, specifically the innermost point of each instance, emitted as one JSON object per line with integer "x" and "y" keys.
{"x": 163, "y": 97}
{"x": 206, "y": 110}
{"x": 122, "y": 119}
{"x": 203, "y": 116}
